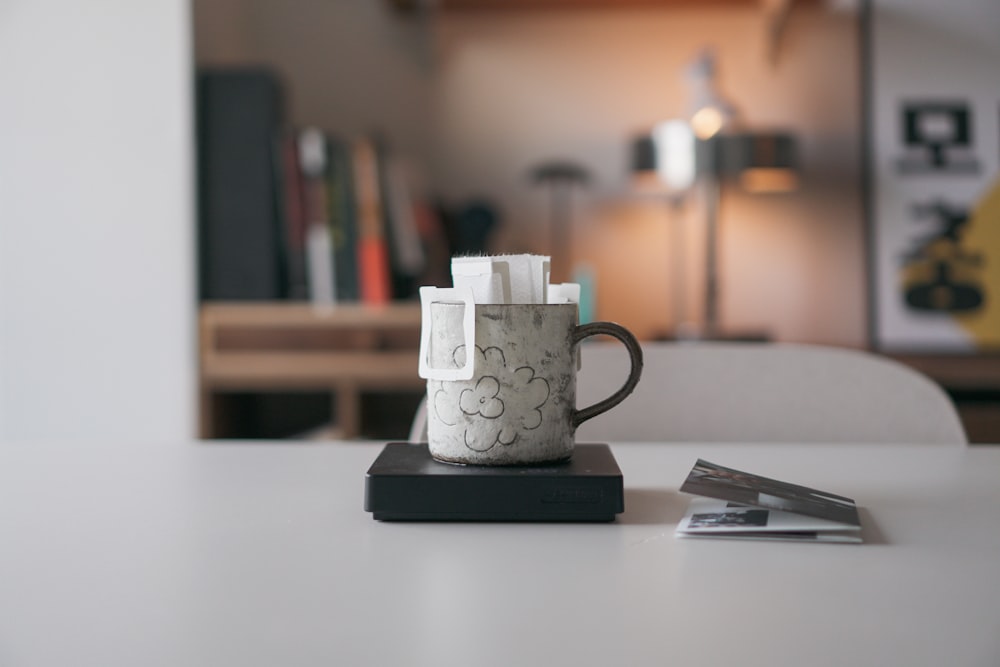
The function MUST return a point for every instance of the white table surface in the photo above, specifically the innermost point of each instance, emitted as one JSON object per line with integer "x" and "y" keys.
{"x": 261, "y": 554}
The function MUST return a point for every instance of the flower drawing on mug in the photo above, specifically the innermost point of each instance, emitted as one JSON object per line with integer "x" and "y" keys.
{"x": 483, "y": 399}
{"x": 502, "y": 402}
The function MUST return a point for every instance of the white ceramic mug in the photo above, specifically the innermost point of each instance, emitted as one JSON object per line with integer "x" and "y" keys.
{"x": 519, "y": 406}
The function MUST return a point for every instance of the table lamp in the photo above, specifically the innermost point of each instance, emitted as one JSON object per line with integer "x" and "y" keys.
{"x": 705, "y": 150}
{"x": 664, "y": 166}
{"x": 758, "y": 162}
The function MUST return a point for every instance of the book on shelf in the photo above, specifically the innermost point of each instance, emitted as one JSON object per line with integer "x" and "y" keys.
{"x": 314, "y": 166}
{"x": 407, "y": 260}
{"x": 341, "y": 212}
{"x": 292, "y": 189}
{"x": 373, "y": 251}
{"x": 241, "y": 245}
{"x": 359, "y": 231}
{"x": 737, "y": 504}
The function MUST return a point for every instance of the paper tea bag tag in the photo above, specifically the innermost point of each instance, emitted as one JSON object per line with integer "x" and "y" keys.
{"x": 542, "y": 272}
{"x": 429, "y": 295}
{"x": 564, "y": 293}
{"x": 488, "y": 277}
{"x": 567, "y": 293}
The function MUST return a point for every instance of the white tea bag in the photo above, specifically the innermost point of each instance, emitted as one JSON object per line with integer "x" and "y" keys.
{"x": 503, "y": 278}
{"x": 487, "y": 277}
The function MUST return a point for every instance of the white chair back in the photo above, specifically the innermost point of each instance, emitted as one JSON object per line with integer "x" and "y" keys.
{"x": 745, "y": 392}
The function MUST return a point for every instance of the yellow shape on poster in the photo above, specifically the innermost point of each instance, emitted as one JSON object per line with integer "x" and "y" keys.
{"x": 983, "y": 239}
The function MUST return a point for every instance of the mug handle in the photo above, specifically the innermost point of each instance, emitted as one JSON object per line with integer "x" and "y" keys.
{"x": 635, "y": 357}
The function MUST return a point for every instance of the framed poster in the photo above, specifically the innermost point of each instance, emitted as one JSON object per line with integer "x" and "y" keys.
{"x": 933, "y": 147}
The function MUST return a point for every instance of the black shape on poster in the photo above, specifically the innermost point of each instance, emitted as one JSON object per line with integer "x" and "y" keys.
{"x": 939, "y": 275}
{"x": 937, "y": 138}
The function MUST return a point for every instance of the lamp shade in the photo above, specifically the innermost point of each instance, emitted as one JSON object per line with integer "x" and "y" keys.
{"x": 669, "y": 158}
{"x": 665, "y": 160}
{"x": 643, "y": 153}
{"x": 761, "y": 161}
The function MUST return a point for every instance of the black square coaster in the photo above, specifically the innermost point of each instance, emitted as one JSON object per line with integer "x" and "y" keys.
{"x": 406, "y": 484}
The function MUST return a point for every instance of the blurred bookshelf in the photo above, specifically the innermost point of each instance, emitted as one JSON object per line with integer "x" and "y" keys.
{"x": 274, "y": 364}
{"x": 311, "y": 247}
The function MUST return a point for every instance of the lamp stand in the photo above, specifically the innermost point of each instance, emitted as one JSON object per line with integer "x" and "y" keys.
{"x": 711, "y": 187}
{"x": 712, "y": 193}
{"x": 682, "y": 328}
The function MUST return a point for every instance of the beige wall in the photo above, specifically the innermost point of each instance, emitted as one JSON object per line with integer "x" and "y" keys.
{"x": 349, "y": 66}
{"x": 480, "y": 98}
{"x": 514, "y": 89}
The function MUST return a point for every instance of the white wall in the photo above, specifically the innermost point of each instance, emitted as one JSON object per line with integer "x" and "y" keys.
{"x": 96, "y": 224}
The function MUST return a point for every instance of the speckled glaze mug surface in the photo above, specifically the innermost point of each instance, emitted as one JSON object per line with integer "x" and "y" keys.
{"x": 519, "y": 407}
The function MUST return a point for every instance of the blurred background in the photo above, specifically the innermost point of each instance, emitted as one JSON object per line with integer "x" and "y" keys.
{"x": 477, "y": 99}
{"x": 166, "y": 157}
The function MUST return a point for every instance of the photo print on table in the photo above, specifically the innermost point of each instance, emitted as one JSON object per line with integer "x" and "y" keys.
{"x": 715, "y": 481}
{"x": 753, "y": 517}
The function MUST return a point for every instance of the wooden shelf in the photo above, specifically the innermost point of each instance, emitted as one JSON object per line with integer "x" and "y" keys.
{"x": 277, "y": 346}
{"x": 351, "y": 349}
{"x": 312, "y": 371}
